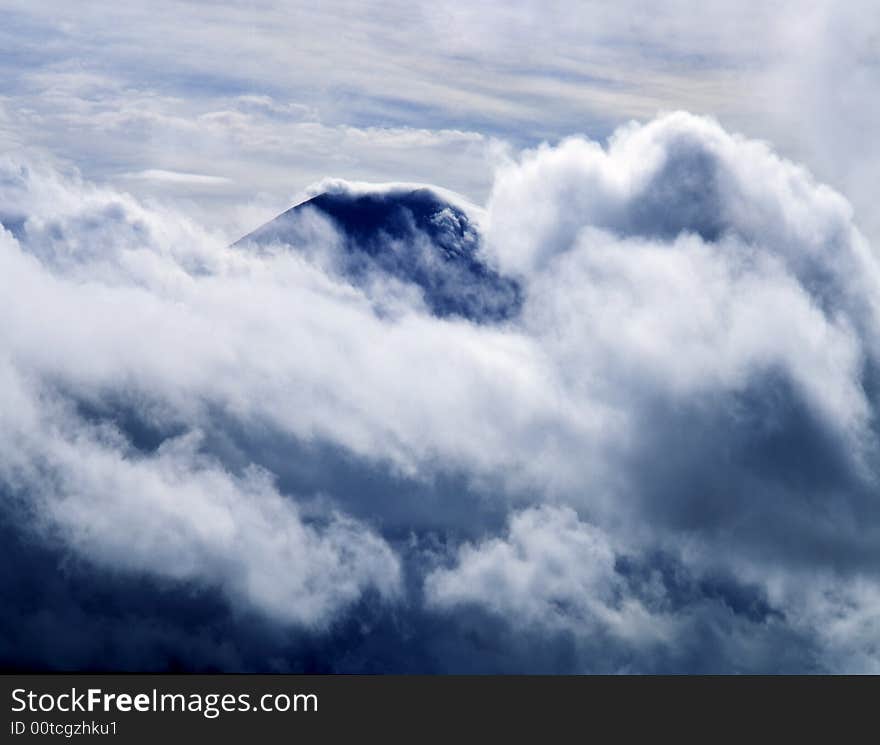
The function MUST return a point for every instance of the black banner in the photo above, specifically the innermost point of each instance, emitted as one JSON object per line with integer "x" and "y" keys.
{"x": 283, "y": 708}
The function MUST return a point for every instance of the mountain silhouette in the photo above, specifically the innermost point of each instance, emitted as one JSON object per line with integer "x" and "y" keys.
{"x": 413, "y": 235}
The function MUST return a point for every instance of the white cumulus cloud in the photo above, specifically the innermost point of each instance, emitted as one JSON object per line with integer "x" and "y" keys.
{"x": 693, "y": 373}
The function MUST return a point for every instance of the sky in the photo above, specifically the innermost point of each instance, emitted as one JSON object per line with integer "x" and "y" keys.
{"x": 232, "y": 109}
{"x": 631, "y": 426}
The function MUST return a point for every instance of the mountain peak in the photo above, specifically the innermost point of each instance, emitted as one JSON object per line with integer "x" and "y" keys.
{"x": 412, "y": 234}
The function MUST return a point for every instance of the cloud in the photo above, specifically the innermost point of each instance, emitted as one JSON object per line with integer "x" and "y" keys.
{"x": 174, "y": 512}
{"x": 553, "y": 575}
{"x": 415, "y": 92}
{"x": 175, "y": 177}
{"x": 672, "y": 437}
{"x": 233, "y": 161}
{"x": 550, "y": 570}
{"x": 181, "y": 515}
{"x": 819, "y": 102}
{"x": 678, "y": 174}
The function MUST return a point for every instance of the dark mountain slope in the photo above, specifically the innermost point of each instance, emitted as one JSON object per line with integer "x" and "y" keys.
{"x": 414, "y": 236}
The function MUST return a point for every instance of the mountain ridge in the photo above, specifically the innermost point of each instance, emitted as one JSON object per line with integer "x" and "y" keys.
{"x": 410, "y": 233}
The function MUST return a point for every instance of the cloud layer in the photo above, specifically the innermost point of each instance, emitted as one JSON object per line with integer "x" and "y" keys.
{"x": 667, "y": 459}
{"x": 272, "y": 96}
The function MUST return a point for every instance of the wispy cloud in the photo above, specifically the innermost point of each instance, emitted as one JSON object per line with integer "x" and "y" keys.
{"x": 176, "y": 177}
{"x": 274, "y": 97}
